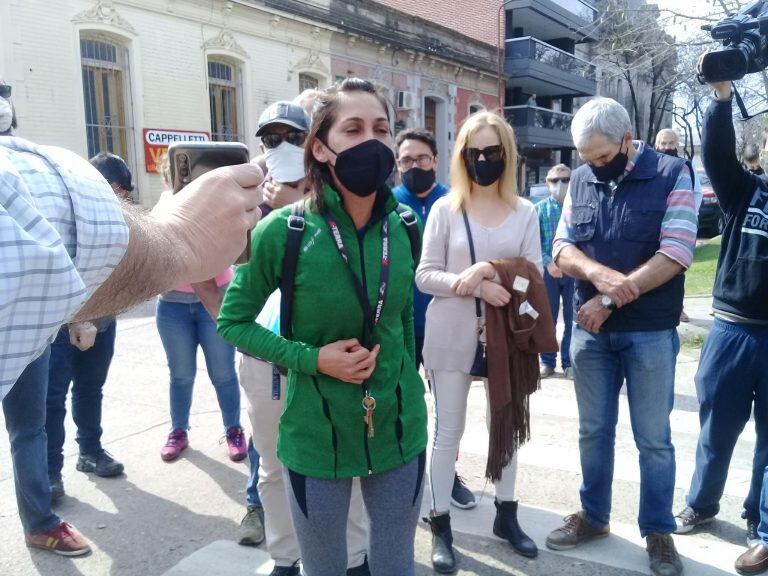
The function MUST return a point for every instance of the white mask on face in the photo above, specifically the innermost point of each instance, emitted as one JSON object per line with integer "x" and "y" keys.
{"x": 558, "y": 190}
{"x": 285, "y": 163}
{"x": 6, "y": 115}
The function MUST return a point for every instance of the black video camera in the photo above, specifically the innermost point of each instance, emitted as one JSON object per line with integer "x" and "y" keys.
{"x": 745, "y": 45}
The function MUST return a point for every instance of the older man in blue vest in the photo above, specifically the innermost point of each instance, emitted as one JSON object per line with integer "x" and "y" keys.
{"x": 627, "y": 235}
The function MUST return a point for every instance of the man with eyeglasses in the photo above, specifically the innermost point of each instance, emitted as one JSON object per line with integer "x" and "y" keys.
{"x": 416, "y": 152}
{"x": 559, "y": 285}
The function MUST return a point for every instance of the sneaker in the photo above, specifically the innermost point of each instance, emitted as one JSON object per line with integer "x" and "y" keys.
{"x": 177, "y": 441}
{"x": 753, "y": 539}
{"x": 236, "y": 443}
{"x": 57, "y": 488}
{"x": 102, "y": 464}
{"x": 362, "y": 570}
{"x": 292, "y": 570}
{"x": 64, "y": 540}
{"x": 687, "y": 519}
{"x": 251, "y": 531}
{"x": 546, "y": 371}
{"x": 575, "y": 531}
{"x": 663, "y": 556}
{"x": 568, "y": 373}
{"x": 461, "y": 496}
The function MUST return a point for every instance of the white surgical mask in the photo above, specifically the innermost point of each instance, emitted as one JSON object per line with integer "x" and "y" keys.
{"x": 6, "y": 115}
{"x": 285, "y": 163}
{"x": 558, "y": 190}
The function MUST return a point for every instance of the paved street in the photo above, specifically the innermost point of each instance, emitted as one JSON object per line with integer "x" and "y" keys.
{"x": 181, "y": 518}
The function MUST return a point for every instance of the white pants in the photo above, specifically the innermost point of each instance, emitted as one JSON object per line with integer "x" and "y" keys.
{"x": 264, "y": 414}
{"x": 450, "y": 390}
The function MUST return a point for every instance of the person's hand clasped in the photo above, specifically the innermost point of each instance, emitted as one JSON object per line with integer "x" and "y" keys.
{"x": 554, "y": 270}
{"x": 209, "y": 219}
{"x": 619, "y": 287}
{"x": 470, "y": 279}
{"x": 82, "y": 335}
{"x": 494, "y": 294}
{"x": 592, "y": 315}
{"x": 277, "y": 194}
{"x": 347, "y": 360}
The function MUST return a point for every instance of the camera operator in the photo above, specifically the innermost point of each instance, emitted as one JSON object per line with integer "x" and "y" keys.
{"x": 733, "y": 371}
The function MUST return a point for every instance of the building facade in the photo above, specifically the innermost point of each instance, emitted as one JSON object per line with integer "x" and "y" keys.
{"x": 131, "y": 76}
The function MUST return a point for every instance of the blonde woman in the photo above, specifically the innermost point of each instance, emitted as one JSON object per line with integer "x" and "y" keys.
{"x": 482, "y": 208}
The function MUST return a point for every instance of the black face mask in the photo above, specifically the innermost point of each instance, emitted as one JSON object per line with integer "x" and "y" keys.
{"x": 484, "y": 172}
{"x": 669, "y": 152}
{"x": 418, "y": 180}
{"x": 364, "y": 168}
{"x": 613, "y": 169}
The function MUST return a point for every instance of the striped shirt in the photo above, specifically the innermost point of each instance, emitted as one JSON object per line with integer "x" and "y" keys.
{"x": 678, "y": 227}
{"x": 62, "y": 233}
{"x": 549, "y": 211}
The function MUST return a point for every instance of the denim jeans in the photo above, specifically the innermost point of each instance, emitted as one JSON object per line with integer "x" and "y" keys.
{"x": 560, "y": 289}
{"x": 182, "y": 328}
{"x": 87, "y": 371}
{"x": 24, "y": 409}
{"x": 732, "y": 376}
{"x": 646, "y": 360}
{"x": 252, "y": 489}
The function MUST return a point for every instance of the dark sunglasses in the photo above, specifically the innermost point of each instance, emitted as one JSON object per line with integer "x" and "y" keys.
{"x": 5, "y": 90}
{"x": 490, "y": 154}
{"x": 564, "y": 180}
{"x": 274, "y": 140}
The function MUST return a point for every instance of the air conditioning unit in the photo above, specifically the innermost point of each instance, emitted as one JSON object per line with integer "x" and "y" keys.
{"x": 406, "y": 100}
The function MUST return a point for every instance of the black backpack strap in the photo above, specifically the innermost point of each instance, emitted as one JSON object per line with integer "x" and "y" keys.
{"x": 296, "y": 225}
{"x": 412, "y": 227}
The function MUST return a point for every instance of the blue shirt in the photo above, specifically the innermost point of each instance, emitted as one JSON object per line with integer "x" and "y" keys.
{"x": 421, "y": 206}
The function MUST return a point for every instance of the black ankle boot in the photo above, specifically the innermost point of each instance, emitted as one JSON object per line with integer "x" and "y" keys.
{"x": 443, "y": 558}
{"x": 506, "y": 526}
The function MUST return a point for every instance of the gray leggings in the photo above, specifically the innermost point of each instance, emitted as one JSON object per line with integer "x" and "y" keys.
{"x": 320, "y": 507}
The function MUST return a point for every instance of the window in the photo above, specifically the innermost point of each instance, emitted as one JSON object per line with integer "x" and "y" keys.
{"x": 104, "y": 68}
{"x": 474, "y": 108}
{"x": 223, "y": 90}
{"x": 307, "y": 82}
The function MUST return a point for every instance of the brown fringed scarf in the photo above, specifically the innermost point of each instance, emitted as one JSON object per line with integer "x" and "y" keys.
{"x": 514, "y": 342}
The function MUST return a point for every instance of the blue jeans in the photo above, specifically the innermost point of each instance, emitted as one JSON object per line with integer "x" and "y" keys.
{"x": 560, "y": 289}
{"x": 24, "y": 409}
{"x": 732, "y": 375}
{"x": 252, "y": 490}
{"x": 182, "y": 328}
{"x": 601, "y": 362}
{"x": 87, "y": 371}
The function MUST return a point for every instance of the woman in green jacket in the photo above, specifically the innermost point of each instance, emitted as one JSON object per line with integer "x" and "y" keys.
{"x": 355, "y": 403}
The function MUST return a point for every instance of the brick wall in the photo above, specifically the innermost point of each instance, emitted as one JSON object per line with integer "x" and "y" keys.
{"x": 475, "y": 19}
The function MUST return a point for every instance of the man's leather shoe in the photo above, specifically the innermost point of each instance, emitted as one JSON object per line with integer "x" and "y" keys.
{"x": 753, "y": 561}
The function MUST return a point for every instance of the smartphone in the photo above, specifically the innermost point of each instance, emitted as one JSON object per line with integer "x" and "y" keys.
{"x": 189, "y": 160}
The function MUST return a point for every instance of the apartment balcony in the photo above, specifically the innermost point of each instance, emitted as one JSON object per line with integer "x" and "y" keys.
{"x": 548, "y": 19}
{"x": 546, "y": 70}
{"x": 540, "y": 127}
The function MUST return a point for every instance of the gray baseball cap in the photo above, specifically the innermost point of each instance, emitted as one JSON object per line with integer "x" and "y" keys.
{"x": 283, "y": 112}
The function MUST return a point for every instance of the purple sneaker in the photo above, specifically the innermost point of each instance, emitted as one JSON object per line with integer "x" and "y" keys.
{"x": 177, "y": 441}
{"x": 236, "y": 443}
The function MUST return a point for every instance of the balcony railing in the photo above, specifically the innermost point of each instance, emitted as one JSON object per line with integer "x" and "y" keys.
{"x": 535, "y": 117}
{"x": 583, "y": 10}
{"x": 532, "y": 49}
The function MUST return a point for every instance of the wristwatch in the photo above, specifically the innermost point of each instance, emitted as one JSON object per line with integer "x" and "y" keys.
{"x": 606, "y": 301}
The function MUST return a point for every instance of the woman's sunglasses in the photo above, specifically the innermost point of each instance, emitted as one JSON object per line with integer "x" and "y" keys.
{"x": 274, "y": 140}
{"x": 489, "y": 153}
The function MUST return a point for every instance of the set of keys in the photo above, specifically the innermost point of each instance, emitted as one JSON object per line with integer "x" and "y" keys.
{"x": 369, "y": 405}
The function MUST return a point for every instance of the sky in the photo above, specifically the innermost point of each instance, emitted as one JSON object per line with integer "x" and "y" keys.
{"x": 683, "y": 28}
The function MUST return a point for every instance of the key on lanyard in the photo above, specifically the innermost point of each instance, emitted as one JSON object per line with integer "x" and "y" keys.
{"x": 369, "y": 405}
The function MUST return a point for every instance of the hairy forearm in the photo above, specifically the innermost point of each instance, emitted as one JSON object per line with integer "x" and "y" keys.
{"x": 657, "y": 271}
{"x": 153, "y": 263}
{"x": 576, "y": 264}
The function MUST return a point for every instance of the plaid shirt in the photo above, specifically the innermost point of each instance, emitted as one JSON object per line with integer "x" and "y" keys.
{"x": 549, "y": 211}
{"x": 62, "y": 233}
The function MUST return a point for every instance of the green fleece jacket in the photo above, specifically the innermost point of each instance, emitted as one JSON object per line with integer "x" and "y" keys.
{"x": 322, "y": 432}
